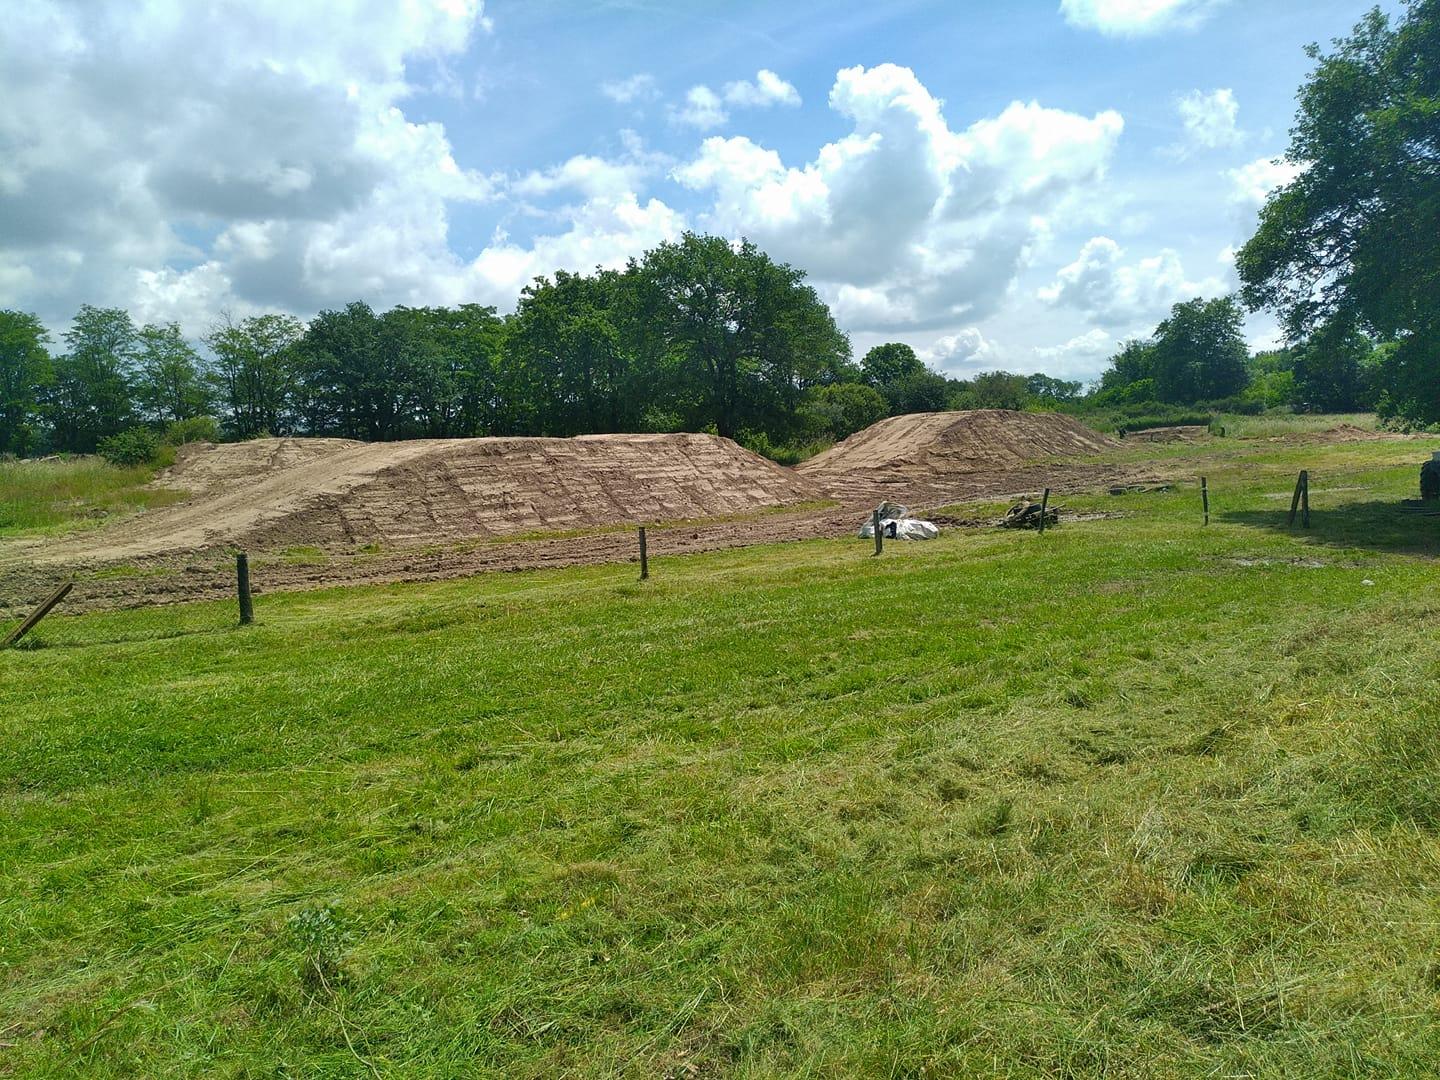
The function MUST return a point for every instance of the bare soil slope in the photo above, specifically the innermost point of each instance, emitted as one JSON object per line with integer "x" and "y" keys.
{"x": 928, "y": 452}
{"x": 335, "y": 494}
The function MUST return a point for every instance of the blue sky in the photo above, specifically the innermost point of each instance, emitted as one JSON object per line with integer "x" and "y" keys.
{"x": 1015, "y": 185}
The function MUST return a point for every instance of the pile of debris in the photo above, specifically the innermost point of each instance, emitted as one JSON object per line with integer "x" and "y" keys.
{"x": 1028, "y": 515}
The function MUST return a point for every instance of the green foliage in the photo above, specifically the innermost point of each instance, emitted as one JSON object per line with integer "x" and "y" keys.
{"x": 890, "y": 363}
{"x": 193, "y": 429}
{"x": 1354, "y": 240}
{"x": 133, "y": 446}
{"x": 90, "y": 395}
{"x": 841, "y": 409}
{"x": 1331, "y": 372}
{"x": 169, "y": 385}
{"x": 256, "y": 372}
{"x": 741, "y": 336}
{"x": 25, "y": 371}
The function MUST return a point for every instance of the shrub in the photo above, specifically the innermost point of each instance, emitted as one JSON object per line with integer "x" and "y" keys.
{"x": 195, "y": 429}
{"x": 133, "y": 446}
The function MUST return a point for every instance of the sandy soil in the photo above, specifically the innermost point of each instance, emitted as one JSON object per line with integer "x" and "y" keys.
{"x": 337, "y": 495}
{"x": 933, "y": 456}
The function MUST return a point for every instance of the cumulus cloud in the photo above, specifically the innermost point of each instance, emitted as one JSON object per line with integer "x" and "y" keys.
{"x": 965, "y": 352}
{"x": 904, "y": 221}
{"x": 181, "y": 159}
{"x": 1134, "y": 18}
{"x": 1112, "y": 293}
{"x": 768, "y": 89}
{"x": 1210, "y": 120}
{"x": 1251, "y": 183}
{"x": 1083, "y": 357}
{"x": 705, "y": 109}
{"x": 635, "y": 89}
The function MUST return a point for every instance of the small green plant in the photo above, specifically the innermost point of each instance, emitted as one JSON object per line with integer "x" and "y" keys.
{"x": 133, "y": 446}
{"x": 320, "y": 936}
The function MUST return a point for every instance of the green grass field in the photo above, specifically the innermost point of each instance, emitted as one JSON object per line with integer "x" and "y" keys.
{"x": 50, "y": 497}
{"x": 1135, "y": 798}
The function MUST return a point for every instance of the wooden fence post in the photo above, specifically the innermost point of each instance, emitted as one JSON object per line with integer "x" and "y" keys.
{"x": 38, "y": 614}
{"x": 644, "y": 556}
{"x": 879, "y": 537}
{"x": 242, "y": 587}
{"x": 1295, "y": 499}
{"x": 1205, "y": 499}
{"x": 1305, "y": 500}
{"x": 1044, "y": 505}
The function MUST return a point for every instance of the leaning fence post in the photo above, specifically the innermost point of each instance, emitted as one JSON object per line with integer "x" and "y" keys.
{"x": 1205, "y": 499}
{"x": 38, "y": 614}
{"x": 879, "y": 536}
{"x": 242, "y": 587}
{"x": 644, "y": 556}
{"x": 1044, "y": 505}
{"x": 1305, "y": 500}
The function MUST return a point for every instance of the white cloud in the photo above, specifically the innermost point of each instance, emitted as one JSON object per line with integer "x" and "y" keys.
{"x": 1111, "y": 293}
{"x": 965, "y": 352}
{"x": 1250, "y": 184}
{"x": 1210, "y": 120}
{"x": 182, "y": 159}
{"x": 259, "y": 144}
{"x": 1134, "y": 18}
{"x": 1083, "y": 357}
{"x": 768, "y": 89}
{"x": 903, "y": 221}
{"x": 635, "y": 89}
{"x": 705, "y": 109}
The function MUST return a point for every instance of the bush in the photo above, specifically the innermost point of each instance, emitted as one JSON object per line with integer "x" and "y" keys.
{"x": 133, "y": 446}
{"x": 782, "y": 453}
{"x": 195, "y": 429}
{"x": 843, "y": 408}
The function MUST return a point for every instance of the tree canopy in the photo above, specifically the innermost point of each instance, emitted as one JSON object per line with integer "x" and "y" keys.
{"x": 1354, "y": 239}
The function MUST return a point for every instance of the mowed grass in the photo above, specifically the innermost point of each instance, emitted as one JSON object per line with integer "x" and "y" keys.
{"x": 1135, "y": 798}
{"x": 57, "y": 495}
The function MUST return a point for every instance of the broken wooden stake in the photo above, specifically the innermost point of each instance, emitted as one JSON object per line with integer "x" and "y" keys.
{"x": 38, "y": 614}
{"x": 644, "y": 556}
{"x": 1205, "y": 499}
{"x": 1044, "y": 505}
{"x": 879, "y": 536}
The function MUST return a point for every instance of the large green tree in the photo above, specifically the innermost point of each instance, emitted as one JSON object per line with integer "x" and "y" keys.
{"x": 890, "y": 363}
{"x": 169, "y": 382}
{"x": 745, "y": 336}
{"x": 256, "y": 372}
{"x": 91, "y": 396}
{"x": 24, "y": 373}
{"x": 1199, "y": 352}
{"x": 1355, "y": 237}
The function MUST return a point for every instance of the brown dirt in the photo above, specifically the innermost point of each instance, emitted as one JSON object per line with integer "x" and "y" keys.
{"x": 952, "y": 454}
{"x": 337, "y": 495}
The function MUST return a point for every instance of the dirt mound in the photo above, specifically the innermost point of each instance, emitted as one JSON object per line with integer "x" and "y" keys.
{"x": 926, "y": 449}
{"x": 203, "y": 465}
{"x": 335, "y": 494}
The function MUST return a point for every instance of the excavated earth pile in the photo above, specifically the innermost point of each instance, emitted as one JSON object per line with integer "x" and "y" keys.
{"x": 958, "y": 454}
{"x": 337, "y": 495}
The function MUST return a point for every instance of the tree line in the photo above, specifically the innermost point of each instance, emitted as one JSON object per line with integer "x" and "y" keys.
{"x": 699, "y": 334}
